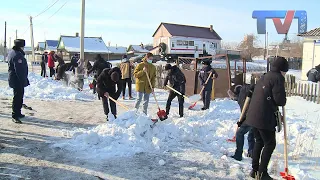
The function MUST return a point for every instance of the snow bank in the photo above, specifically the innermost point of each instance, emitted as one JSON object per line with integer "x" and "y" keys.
{"x": 203, "y": 130}
{"x": 49, "y": 89}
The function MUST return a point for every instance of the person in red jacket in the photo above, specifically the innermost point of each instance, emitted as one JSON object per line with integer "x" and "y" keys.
{"x": 51, "y": 63}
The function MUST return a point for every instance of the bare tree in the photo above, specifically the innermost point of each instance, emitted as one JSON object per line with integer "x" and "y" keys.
{"x": 229, "y": 45}
{"x": 249, "y": 47}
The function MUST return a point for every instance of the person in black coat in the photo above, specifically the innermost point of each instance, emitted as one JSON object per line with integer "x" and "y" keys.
{"x": 18, "y": 78}
{"x": 314, "y": 74}
{"x": 74, "y": 62}
{"x": 44, "y": 61}
{"x": 241, "y": 94}
{"x": 98, "y": 66}
{"x": 203, "y": 76}
{"x": 269, "y": 93}
{"x": 106, "y": 86}
{"x": 178, "y": 82}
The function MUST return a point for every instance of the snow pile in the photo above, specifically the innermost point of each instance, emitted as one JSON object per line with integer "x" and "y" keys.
{"x": 49, "y": 89}
{"x": 206, "y": 131}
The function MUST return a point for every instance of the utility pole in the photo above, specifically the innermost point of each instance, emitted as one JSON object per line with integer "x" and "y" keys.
{"x": 5, "y": 40}
{"x": 32, "y": 42}
{"x": 82, "y": 30}
{"x": 9, "y": 42}
{"x": 265, "y": 46}
{"x": 16, "y": 34}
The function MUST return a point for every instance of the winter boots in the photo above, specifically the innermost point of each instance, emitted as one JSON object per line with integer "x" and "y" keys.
{"x": 16, "y": 120}
{"x": 261, "y": 176}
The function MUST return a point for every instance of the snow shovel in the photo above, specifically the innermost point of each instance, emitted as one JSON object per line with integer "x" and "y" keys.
{"x": 161, "y": 113}
{"x": 285, "y": 174}
{"x": 195, "y": 98}
{"x": 177, "y": 92}
{"x": 245, "y": 107}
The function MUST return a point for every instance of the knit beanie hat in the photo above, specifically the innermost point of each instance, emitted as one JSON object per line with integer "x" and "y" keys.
{"x": 281, "y": 64}
{"x": 167, "y": 67}
{"x": 115, "y": 77}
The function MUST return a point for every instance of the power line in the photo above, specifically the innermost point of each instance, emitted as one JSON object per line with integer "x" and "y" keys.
{"x": 46, "y": 9}
{"x": 54, "y": 13}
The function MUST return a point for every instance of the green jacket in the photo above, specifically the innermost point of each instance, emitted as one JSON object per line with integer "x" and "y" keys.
{"x": 142, "y": 84}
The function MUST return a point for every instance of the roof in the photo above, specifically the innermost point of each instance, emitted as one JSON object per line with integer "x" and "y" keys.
{"x": 313, "y": 32}
{"x": 137, "y": 48}
{"x": 117, "y": 50}
{"x": 41, "y": 45}
{"x": 189, "y": 31}
{"x": 52, "y": 44}
{"x": 91, "y": 44}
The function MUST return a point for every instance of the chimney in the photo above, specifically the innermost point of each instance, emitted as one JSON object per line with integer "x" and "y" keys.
{"x": 211, "y": 28}
{"x": 77, "y": 34}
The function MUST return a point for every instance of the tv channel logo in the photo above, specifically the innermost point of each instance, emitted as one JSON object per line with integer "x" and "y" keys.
{"x": 276, "y": 16}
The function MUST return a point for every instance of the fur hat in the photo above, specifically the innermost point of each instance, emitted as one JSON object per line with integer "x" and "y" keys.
{"x": 115, "y": 77}
{"x": 124, "y": 56}
{"x": 280, "y": 64}
{"x": 19, "y": 43}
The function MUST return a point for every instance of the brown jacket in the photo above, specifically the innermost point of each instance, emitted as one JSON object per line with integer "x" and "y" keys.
{"x": 142, "y": 84}
{"x": 126, "y": 69}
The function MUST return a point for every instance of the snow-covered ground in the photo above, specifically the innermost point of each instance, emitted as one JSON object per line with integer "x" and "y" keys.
{"x": 67, "y": 138}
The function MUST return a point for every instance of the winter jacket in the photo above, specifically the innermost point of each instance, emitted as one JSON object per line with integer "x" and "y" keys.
{"x": 99, "y": 65}
{"x": 105, "y": 84}
{"x": 269, "y": 93}
{"x": 74, "y": 61}
{"x": 126, "y": 69}
{"x": 44, "y": 58}
{"x": 17, "y": 68}
{"x": 204, "y": 74}
{"x": 314, "y": 74}
{"x": 142, "y": 84}
{"x": 177, "y": 79}
{"x": 51, "y": 60}
{"x": 61, "y": 69}
{"x": 243, "y": 94}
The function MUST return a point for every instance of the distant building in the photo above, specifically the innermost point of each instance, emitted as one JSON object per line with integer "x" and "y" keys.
{"x": 185, "y": 40}
{"x": 137, "y": 49}
{"x": 51, "y": 45}
{"x": 41, "y": 46}
{"x": 70, "y": 45}
{"x": 311, "y": 50}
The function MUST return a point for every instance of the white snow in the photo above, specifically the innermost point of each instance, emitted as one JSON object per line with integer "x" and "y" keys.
{"x": 139, "y": 49}
{"x": 49, "y": 89}
{"x": 117, "y": 50}
{"x": 203, "y": 130}
{"x": 162, "y": 162}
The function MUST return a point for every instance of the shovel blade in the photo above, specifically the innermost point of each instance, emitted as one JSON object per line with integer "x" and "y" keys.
{"x": 162, "y": 115}
{"x": 232, "y": 140}
{"x": 286, "y": 176}
{"x": 91, "y": 86}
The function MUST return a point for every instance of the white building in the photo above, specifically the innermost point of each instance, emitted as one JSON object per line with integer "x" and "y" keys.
{"x": 185, "y": 40}
{"x": 311, "y": 51}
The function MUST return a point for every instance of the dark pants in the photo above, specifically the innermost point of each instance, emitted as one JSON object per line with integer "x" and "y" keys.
{"x": 17, "y": 102}
{"x": 52, "y": 71}
{"x": 267, "y": 140}
{"x": 125, "y": 82}
{"x": 172, "y": 95}
{"x": 94, "y": 83}
{"x": 240, "y": 140}
{"x": 206, "y": 98}
{"x": 43, "y": 69}
{"x": 106, "y": 106}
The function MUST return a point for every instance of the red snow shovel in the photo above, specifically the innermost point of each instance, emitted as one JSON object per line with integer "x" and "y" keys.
{"x": 161, "y": 113}
{"x": 245, "y": 107}
{"x": 195, "y": 98}
{"x": 285, "y": 174}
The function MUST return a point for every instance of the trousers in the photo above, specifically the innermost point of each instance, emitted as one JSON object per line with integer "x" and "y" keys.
{"x": 18, "y": 93}
{"x": 172, "y": 95}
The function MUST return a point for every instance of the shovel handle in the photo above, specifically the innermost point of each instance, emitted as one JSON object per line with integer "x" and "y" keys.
{"x": 118, "y": 103}
{"x": 206, "y": 83}
{"x": 285, "y": 139}
{"x": 176, "y": 91}
{"x": 152, "y": 90}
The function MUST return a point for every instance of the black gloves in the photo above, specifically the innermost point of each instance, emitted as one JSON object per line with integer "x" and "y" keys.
{"x": 249, "y": 94}
{"x": 239, "y": 123}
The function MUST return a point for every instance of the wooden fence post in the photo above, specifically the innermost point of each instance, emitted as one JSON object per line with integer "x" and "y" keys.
{"x": 304, "y": 91}
{"x": 315, "y": 93}
{"x": 308, "y": 92}
{"x": 318, "y": 93}
{"x": 299, "y": 87}
{"x": 311, "y": 92}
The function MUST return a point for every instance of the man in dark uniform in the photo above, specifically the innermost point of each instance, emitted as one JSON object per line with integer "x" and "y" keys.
{"x": 18, "y": 78}
{"x": 203, "y": 76}
{"x": 44, "y": 61}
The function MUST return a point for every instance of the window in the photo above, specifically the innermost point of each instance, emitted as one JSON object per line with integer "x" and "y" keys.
{"x": 191, "y": 43}
{"x": 179, "y": 43}
{"x": 213, "y": 45}
{"x": 185, "y": 43}
{"x": 172, "y": 44}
